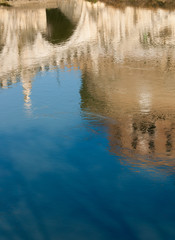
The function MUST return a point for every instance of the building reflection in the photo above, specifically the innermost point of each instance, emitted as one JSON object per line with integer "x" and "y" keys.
{"x": 25, "y": 35}
{"x": 127, "y": 59}
{"x": 143, "y": 133}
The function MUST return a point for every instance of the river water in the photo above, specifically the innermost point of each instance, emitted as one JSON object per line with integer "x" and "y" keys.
{"x": 87, "y": 133}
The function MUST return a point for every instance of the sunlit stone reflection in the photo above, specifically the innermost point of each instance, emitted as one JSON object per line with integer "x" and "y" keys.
{"x": 127, "y": 59}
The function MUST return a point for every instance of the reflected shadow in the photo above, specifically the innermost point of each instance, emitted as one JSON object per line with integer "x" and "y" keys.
{"x": 59, "y": 27}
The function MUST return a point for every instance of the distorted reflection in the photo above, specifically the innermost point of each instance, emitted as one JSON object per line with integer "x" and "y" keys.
{"x": 99, "y": 82}
{"x": 142, "y": 113}
{"x": 126, "y": 56}
{"x": 59, "y": 27}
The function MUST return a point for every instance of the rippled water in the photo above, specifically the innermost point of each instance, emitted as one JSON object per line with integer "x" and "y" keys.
{"x": 87, "y": 99}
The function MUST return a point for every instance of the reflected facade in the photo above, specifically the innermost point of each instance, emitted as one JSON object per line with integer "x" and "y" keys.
{"x": 126, "y": 57}
{"x": 94, "y": 158}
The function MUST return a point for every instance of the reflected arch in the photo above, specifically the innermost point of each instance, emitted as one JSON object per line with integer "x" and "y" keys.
{"x": 59, "y": 27}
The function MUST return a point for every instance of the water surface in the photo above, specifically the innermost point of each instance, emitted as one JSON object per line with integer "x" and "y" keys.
{"x": 87, "y": 129}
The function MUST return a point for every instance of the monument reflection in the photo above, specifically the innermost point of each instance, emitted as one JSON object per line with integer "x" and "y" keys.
{"x": 127, "y": 60}
{"x": 139, "y": 112}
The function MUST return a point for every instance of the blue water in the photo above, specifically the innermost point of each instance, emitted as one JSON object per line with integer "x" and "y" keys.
{"x": 59, "y": 181}
{"x": 66, "y": 171}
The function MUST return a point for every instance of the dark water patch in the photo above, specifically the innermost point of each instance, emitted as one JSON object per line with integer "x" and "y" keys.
{"x": 59, "y": 27}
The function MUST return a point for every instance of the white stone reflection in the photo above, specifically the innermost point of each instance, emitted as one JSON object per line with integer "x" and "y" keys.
{"x": 145, "y": 101}
{"x": 128, "y": 54}
{"x": 125, "y": 35}
{"x": 19, "y": 31}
